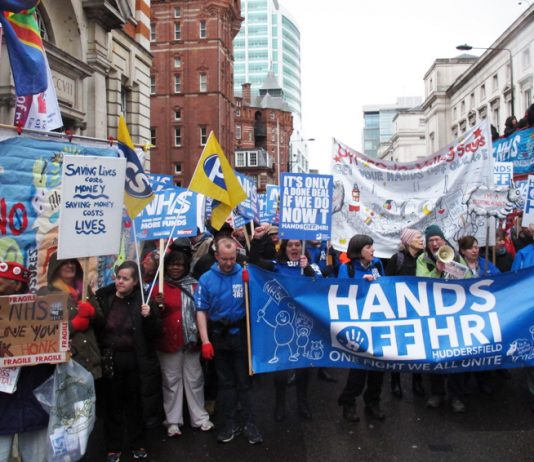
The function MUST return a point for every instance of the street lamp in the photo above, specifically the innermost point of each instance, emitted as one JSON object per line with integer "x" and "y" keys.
{"x": 290, "y": 161}
{"x": 466, "y": 47}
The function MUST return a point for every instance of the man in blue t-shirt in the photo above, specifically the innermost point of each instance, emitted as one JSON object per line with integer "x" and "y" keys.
{"x": 222, "y": 327}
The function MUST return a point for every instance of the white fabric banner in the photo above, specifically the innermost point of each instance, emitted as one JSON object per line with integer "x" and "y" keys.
{"x": 380, "y": 198}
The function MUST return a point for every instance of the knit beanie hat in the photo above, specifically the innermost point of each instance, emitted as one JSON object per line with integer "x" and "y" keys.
{"x": 14, "y": 271}
{"x": 356, "y": 244}
{"x": 433, "y": 230}
{"x": 407, "y": 236}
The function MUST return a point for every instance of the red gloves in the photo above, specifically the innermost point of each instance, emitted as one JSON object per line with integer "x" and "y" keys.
{"x": 85, "y": 309}
{"x": 80, "y": 322}
{"x": 207, "y": 351}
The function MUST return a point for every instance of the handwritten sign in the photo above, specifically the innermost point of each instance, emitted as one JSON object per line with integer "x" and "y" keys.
{"x": 305, "y": 204}
{"x": 91, "y": 206}
{"x": 33, "y": 329}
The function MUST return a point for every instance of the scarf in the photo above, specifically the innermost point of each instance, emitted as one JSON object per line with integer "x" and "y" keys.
{"x": 189, "y": 326}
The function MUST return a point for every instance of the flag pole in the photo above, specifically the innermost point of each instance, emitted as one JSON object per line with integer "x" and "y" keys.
{"x": 140, "y": 275}
{"x": 247, "y": 316}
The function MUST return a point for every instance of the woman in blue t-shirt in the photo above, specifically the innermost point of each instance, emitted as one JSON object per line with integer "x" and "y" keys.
{"x": 362, "y": 265}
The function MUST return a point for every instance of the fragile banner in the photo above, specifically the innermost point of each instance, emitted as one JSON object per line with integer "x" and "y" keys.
{"x": 33, "y": 329}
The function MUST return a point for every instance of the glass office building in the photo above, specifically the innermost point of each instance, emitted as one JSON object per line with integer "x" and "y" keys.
{"x": 269, "y": 39}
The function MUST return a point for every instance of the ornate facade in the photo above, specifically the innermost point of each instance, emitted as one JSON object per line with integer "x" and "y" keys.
{"x": 99, "y": 55}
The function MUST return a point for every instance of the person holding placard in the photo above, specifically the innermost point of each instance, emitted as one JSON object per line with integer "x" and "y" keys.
{"x": 67, "y": 276}
{"x": 178, "y": 347}
{"x": 131, "y": 386}
{"x": 290, "y": 260}
{"x": 365, "y": 266}
{"x": 20, "y": 412}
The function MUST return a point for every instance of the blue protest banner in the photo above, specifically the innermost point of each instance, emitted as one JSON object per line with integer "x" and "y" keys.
{"x": 159, "y": 181}
{"x": 517, "y": 148}
{"x": 306, "y": 206}
{"x": 171, "y": 208}
{"x": 273, "y": 204}
{"x": 247, "y": 210}
{"x": 402, "y": 324}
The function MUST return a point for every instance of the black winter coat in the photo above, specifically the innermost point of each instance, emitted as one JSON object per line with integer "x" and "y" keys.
{"x": 145, "y": 333}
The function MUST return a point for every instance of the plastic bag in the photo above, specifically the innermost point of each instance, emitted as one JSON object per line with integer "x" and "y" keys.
{"x": 69, "y": 397}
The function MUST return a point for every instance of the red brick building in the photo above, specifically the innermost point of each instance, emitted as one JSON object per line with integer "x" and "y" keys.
{"x": 263, "y": 127}
{"x": 191, "y": 81}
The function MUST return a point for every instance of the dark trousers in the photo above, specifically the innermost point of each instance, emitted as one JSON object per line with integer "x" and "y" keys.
{"x": 356, "y": 383}
{"x": 302, "y": 379}
{"x": 123, "y": 405}
{"x": 455, "y": 385}
{"x": 233, "y": 381}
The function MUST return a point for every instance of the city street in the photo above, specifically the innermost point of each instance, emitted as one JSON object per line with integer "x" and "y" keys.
{"x": 499, "y": 428}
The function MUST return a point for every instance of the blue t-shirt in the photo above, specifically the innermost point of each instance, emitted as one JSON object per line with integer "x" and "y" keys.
{"x": 524, "y": 258}
{"x": 221, "y": 294}
{"x": 375, "y": 268}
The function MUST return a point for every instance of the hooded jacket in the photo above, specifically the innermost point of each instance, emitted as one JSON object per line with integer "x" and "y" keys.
{"x": 84, "y": 347}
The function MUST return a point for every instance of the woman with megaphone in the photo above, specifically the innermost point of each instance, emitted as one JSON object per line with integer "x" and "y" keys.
{"x": 434, "y": 263}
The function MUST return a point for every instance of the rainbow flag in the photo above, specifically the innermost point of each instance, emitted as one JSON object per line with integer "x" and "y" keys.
{"x": 24, "y": 46}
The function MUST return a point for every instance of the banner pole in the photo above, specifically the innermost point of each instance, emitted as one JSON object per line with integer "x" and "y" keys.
{"x": 247, "y": 317}
{"x": 247, "y": 239}
{"x": 160, "y": 264}
{"x": 303, "y": 253}
{"x": 85, "y": 270}
{"x": 140, "y": 275}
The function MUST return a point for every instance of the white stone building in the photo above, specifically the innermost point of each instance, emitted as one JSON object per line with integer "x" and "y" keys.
{"x": 99, "y": 55}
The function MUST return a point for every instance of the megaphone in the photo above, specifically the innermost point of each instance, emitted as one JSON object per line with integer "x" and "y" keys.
{"x": 445, "y": 254}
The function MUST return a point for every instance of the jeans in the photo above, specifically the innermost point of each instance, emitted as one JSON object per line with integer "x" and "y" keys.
{"x": 32, "y": 446}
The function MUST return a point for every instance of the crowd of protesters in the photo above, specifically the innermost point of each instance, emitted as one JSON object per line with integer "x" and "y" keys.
{"x": 188, "y": 345}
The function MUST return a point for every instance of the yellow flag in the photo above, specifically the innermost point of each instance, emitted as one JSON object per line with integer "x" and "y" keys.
{"x": 215, "y": 178}
{"x": 137, "y": 193}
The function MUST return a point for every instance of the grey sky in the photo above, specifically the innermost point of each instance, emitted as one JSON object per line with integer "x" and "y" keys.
{"x": 356, "y": 53}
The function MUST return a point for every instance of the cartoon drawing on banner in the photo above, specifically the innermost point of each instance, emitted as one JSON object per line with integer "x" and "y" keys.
{"x": 522, "y": 348}
{"x": 291, "y": 329}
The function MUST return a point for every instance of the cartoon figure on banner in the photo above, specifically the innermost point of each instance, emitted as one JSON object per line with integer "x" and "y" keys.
{"x": 284, "y": 331}
{"x": 522, "y": 348}
{"x": 338, "y": 196}
{"x": 303, "y": 325}
{"x": 354, "y": 204}
{"x": 316, "y": 350}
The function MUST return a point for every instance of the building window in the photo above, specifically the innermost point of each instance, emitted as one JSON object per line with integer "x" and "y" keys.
{"x": 177, "y": 114}
{"x": 177, "y": 136}
{"x": 203, "y": 136}
{"x": 495, "y": 83}
{"x": 202, "y": 29}
{"x": 152, "y": 31}
{"x": 253, "y": 158}
{"x": 454, "y": 113}
{"x": 472, "y": 101}
{"x": 177, "y": 168}
{"x": 238, "y": 132}
{"x": 238, "y": 112}
{"x": 203, "y": 82}
{"x": 152, "y": 84}
{"x": 527, "y": 98}
{"x": 240, "y": 159}
{"x": 177, "y": 12}
{"x": 462, "y": 108}
{"x": 525, "y": 57}
{"x": 482, "y": 92}
{"x": 177, "y": 84}
{"x": 271, "y": 115}
{"x": 177, "y": 61}
{"x": 177, "y": 31}
{"x": 153, "y": 137}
